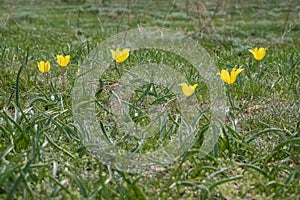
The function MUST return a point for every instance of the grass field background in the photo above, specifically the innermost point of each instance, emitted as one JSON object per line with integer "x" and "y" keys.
{"x": 257, "y": 155}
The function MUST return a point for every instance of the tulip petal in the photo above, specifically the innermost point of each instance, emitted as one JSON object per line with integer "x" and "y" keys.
{"x": 225, "y": 76}
{"x": 63, "y": 61}
{"x": 251, "y": 51}
{"x": 194, "y": 87}
{"x": 118, "y": 51}
{"x": 44, "y": 67}
{"x": 113, "y": 54}
{"x": 41, "y": 66}
{"x": 67, "y": 59}
{"x": 47, "y": 66}
{"x": 234, "y": 73}
{"x": 188, "y": 90}
{"x": 261, "y": 53}
{"x": 238, "y": 71}
{"x": 120, "y": 56}
{"x": 258, "y": 54}
{"x": 230, "y": 78}
{"x": 126, "y": 50}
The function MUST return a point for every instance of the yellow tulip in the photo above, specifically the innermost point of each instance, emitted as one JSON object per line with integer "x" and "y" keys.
{"x": 63, "y": 61}
{"x": 188, "y": 90}
{"x": 258, "y": 54}
{"x": 44, "y": 67}
{"x": 120, "y": 56}
{"x": 230, "y": 78}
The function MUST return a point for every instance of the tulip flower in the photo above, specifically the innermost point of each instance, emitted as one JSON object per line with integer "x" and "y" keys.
{"x": 63, "y": 61}
{"x": 44, "y": 67}
{"x": 188, "y": 90}
{"x": 120, "y": 56}
{"x": 258, "y": 54}
{"x": 230, "y": 78}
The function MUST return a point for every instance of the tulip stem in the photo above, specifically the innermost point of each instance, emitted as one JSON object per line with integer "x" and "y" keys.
{"x": 257, "y": 69}
{"x": 229, "y": 91}
{"x": 63, "y": 80}
{"x": 45, "y": 77}
{"x": 232, "y": 100}
{"x": 45, "y": 81}
{"x": 231, "y": 113}
{"x": 117, "y": 69}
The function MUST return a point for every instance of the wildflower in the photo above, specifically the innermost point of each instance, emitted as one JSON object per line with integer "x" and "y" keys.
{"x": 230, "y": 78}
{"x": 63, "y": 61}
{"x": 188, "y": 90}
{"x": 120, "y": 56}
{"x": 258, "y": 54}
{"x": 44, "y": 67}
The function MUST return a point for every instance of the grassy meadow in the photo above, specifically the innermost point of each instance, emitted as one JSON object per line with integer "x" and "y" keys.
{"x": 257, "y": 156}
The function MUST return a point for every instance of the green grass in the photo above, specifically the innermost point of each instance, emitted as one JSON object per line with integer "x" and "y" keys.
{"x": 41, "y": 149}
